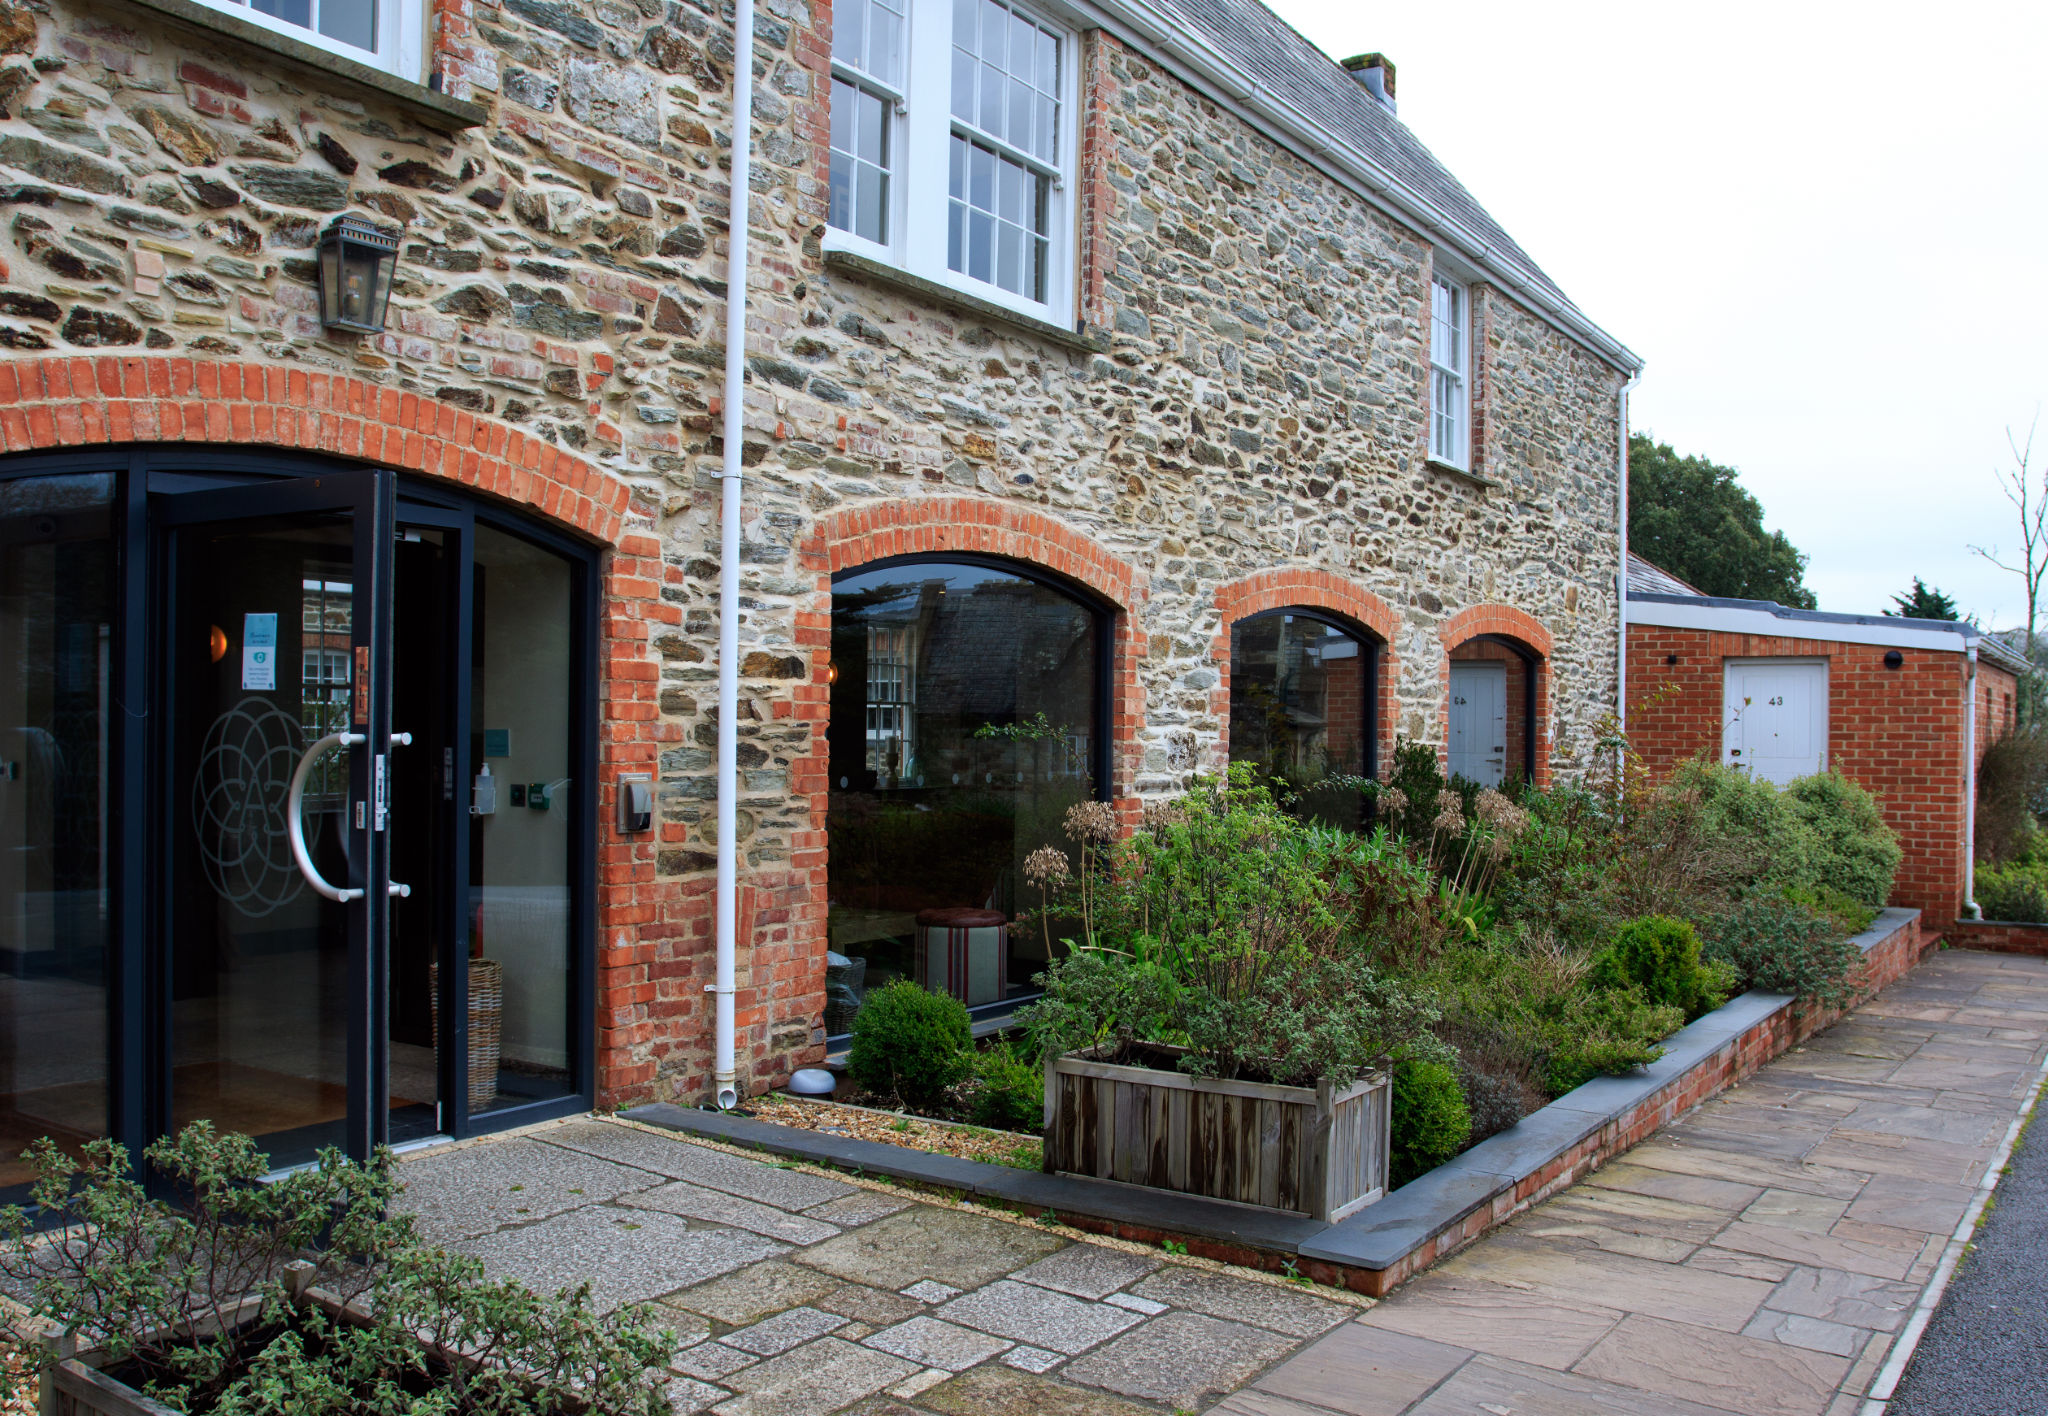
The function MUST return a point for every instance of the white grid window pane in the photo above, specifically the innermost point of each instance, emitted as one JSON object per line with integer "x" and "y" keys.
{"x": 1447, "y": 346}
{"x": 867, "y": 35}
{"x": 860, "y": 162}
{"x": 997, "y": 225}
{"x": 1006, "y": 76}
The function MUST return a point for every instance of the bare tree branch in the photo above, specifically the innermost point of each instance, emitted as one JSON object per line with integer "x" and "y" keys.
{"x": 2029, "y": 498}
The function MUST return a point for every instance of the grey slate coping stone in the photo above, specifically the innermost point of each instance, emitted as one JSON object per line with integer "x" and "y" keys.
{"x": 1377, "y": 1237}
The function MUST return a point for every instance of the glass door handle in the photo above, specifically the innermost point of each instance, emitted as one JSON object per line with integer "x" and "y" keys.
{"x": 294, "y": 816}
{"x": 393, "y": 888}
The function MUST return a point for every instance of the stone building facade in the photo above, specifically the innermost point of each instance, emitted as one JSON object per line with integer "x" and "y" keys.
{"x": 1237, "y": 420}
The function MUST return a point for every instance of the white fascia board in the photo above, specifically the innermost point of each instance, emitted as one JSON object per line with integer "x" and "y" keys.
{"x": 1170, "y": 42}
{"x": 1728, "y": 619}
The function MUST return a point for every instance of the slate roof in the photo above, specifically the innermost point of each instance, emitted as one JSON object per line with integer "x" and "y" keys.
{"x": 1309, "y": 81}
{"x": 1645, "y": 578}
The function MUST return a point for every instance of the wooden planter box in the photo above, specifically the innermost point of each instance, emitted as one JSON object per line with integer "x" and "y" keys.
{"x": 1316, "y": 1151}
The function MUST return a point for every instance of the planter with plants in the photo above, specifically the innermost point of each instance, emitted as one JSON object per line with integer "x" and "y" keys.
{"x": 300, "y": 1296}
{"x": 1218, "y": 1028}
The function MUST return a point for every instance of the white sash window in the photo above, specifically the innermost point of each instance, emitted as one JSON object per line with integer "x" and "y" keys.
{"x": 1450, "y": 420}
{"x": 385, "y": 34}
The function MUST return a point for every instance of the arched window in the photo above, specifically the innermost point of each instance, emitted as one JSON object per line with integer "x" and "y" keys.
{"x": 1303, "y": 706}
{"x": 968, "y": 715}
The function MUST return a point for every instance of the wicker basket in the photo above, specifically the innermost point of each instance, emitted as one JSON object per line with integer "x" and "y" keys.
{"x": 486, "y": 1017}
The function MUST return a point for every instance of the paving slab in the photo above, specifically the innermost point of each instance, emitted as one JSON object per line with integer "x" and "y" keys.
{"x": 860, "y": 1207}
{"x": 1490, "y": 1386}
{"x": 1678, "y": 1292}
{"x": 1747, "y": 1374}
{"x": 1183, "y": 1360}
{"x": 679, "y": 1160}
{"x": 462, "y": 1192}
{"x": 1088, "y": 1270}
{"x": 1489, "y": 1317}
{"x": 1909, "y": 1203}
{"x": 750, "y": 1294}
{"x": 1814, "y": 1334}
{"x": 818, "y": 1377}
{"x": 627, "y": 1256}
{"x": 933, "y": 1342}
{"x": 1289, "y": 1311}
{"x": 785, "y": 1330}
{"x": 1795, "y": 1209}
{"x": 1022, "y": 1312}
{"x": 1820, "y": 1250}
{"x": 1852, "y": 1299}
{"x": 717, "y": 1207}
{"x": 1362, "y": 1371}
{"x": 869, "y": 1305}
{"x": 998, "y": 1390}
{"x": 927, "y": 1242}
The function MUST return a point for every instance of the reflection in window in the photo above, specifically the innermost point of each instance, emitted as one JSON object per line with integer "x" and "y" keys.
{"x": 56, "y": 613}
{"x": 965, "y": 722}
{"x": 326, "y": 628}
{"x": 1301, "y": 708}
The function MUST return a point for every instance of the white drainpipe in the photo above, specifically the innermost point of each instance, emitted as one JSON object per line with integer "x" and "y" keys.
{"x": 724, "y": 1073}
{"x": 1971, "y": 909}
{"x": 1621, "y": 576}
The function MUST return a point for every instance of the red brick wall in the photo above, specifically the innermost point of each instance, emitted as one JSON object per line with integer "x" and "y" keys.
{"x": 1897, "y": 732}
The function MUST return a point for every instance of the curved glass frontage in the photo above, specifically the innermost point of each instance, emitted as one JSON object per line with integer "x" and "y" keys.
{"x": 967, "y": 717}
{"x": 1303, "y": 707}
{"x": 328, "y": 878}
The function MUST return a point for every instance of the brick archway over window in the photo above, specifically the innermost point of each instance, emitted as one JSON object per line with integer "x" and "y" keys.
{"x": 1311, "y": 590}
{"x": 1498, "y": 632}
{"x": 50, "y": 403}
{"x": 974, "y": 526}
{"x": 79, "y": 402}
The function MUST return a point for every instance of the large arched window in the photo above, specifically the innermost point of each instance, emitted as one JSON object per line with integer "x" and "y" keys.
{"x": 1302, "y": 707}
{"x": 967, "y": 717}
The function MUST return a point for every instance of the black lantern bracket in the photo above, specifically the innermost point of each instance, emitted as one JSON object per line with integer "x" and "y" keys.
{"x": 357, "y": 263}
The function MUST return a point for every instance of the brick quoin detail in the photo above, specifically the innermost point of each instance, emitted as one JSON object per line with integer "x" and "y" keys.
{"x": 1292, "y": 586}
{"x": 1504, "y": 622}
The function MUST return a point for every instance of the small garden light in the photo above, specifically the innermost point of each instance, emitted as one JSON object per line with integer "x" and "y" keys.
{"x": 356, "y": 265}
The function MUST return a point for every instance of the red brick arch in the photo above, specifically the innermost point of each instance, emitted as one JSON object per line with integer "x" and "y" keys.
{"x": 1290, "y": 586}
{"x": 1503, "y": 622}
{"x": 78, "y": 402}
{"x": 976, "y": 526}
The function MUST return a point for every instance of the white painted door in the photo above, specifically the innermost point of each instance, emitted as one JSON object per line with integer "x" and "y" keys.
{"x": 1479, "y": 722}
{"x": 1775, "y": 718}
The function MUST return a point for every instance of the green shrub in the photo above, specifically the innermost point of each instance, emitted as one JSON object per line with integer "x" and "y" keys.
{"x": 1782, "y": 946}
{"x": 1852, "y": 849}
{"x": 1005, "y": 1091}
{"x": 2017, "y": 892}
{"x": 1430, "y": 1120}
{"x": 1661, "y": 956}
{"x": 159, "y": 1286}
{"x": 2012, "y": 789}
{"x": 1848, "y": 914}
{"x": 910, "y": 1042}
{"x": 1742, "y": 814}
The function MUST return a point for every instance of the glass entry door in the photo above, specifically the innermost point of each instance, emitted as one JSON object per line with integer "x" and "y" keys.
{"x": 275, "y": 792}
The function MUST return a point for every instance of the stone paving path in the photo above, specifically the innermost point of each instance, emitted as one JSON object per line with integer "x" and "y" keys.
{"x": 1758, "y": 1257}
{"x": 797, "y": 1294}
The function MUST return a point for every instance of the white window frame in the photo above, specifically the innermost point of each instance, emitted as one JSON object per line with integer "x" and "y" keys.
{"x": 401, "y": 35}
{"x": 922, "y": 126}
{"x": 1450, "y": 437}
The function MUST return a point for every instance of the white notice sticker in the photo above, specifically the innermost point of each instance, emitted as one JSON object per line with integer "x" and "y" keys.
{"x": 259, "y": 652}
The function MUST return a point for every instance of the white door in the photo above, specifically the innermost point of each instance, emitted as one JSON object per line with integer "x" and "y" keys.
{"x": 1774, "y": 719}
{"x": 1479, "y": 722}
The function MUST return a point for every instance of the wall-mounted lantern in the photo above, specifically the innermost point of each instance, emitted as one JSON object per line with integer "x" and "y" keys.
{"x": 356, "y": 265}
{"x": 1893, "y": 659}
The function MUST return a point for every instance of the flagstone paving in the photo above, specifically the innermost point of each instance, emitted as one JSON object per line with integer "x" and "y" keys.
{"x": 1759, "y": 1256}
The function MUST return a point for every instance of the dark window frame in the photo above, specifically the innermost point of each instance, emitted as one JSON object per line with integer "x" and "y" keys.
{"x": 1373, "y": 667}
{"x": 138, "y": 1038}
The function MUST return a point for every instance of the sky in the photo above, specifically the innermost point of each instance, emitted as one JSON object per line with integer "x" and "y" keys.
{"x": 1824, "y": 227}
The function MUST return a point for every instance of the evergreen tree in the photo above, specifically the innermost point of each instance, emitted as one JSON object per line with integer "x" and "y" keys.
{"x": 1693, "y": 518}
{"x": 1923, "y": 602}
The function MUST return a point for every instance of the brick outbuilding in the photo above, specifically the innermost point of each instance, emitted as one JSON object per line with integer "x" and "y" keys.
{"x": 1881, "y": 700}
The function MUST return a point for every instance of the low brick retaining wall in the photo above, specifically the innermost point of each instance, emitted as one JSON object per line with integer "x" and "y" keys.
{"x": 1388, "y": 1242}
{"x": 1999, "y": 936}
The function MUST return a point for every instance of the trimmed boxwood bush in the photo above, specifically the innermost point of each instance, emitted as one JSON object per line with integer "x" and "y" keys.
{"x": 1661, "y": 956}
{"x": 1005, "y": 1091}
{"x": 1430, "y": 1121}
{"x": 910, "y": 1042}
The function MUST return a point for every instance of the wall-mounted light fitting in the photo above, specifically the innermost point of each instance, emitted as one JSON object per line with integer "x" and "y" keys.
{"x": 831, "y": 672}
{"x": 1670, "y": 661}
{"x": 357, "y": 262}
{"x": 1893, "y": 658}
